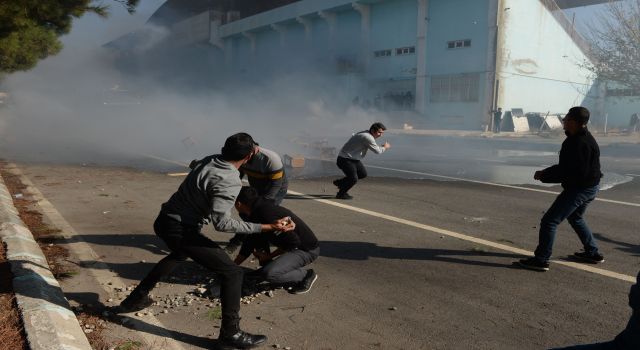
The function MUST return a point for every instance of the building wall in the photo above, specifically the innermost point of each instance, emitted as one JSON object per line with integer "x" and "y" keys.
{"x": 393, "y": 25}
{"x": 620, "y": 109}
{"x": 457, "y": 20}
{"x": 453, "y": 72}
{"x": 538, "y": 62}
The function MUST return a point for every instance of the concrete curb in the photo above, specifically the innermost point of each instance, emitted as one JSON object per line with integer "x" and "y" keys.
{"x": 46, "y": 314}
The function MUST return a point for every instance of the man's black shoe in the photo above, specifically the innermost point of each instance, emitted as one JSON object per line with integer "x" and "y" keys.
{"x": 343, "y": 196}
{"x": 594, "y": 258}
{"x": 241, "y": 340}
{"x": 534, "y": 264}
{"x": 305, "y": 285}
{"x": 134, "y": 302}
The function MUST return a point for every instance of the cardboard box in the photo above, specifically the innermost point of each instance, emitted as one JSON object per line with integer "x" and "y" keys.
{"x": 294, "y": 161}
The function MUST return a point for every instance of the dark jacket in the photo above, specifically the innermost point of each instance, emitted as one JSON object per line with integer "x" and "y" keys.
{"x": 579, "y": 165}
{"x": 264, "y": 211}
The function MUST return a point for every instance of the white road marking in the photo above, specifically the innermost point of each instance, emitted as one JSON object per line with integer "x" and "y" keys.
{"x": 496, "y": 184}
{"x": 634, "y": 175}
{"x": 467, "y": 238}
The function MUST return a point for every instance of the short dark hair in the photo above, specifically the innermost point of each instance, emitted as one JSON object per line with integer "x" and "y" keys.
{"x": 247, "y": 196}
{"x": 238, "y": 146}
{"x": 579, "y": 114}
{"x": 377, "y": 126}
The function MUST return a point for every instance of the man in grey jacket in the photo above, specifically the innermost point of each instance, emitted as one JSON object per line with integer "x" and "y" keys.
{"x": 207, "y": 195}
{"x": 351, "y": 155}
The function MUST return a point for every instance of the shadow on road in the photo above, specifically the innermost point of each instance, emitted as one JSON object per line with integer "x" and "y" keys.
{"x": 633, "y": 249}
{"x": 365, "y": 250}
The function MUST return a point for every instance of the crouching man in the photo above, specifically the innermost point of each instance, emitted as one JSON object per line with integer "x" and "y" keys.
{"x": 294, "y": 249}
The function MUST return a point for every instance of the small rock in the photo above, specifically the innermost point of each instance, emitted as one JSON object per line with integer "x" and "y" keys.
{"x": 87, "y": 331}
{"x": 143, "y": 261}
{"x": 270, "y": 294}
{"x": 201, "y": 290}
{"x": 276, "y": 346}
{"x": 165, "y": 311}
{"x": 287, "y": 348}
{"x": 110, "y": 300}
{"x": 139, "y": 314}
{"x": 393, "y": 308}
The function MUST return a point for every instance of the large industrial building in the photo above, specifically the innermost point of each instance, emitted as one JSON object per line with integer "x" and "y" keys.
{"x": 448, "y": 63}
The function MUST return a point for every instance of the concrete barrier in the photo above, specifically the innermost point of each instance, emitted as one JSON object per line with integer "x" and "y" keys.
{"x": 48, "y": 320}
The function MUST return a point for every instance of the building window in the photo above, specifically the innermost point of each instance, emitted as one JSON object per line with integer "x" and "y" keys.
{"x": 405, "y": 50}
{"x": 382, "y": 53}
{"x": 458, "y": 44}
{"x": 455, "y": 88}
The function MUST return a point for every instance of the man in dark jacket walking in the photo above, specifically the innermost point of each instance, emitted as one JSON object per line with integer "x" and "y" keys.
{"x": 579, "y": 173}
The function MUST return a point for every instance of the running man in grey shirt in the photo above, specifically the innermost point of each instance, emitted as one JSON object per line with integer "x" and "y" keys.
{"x": 207, "y": 195}
{"x": 351, "y": 155}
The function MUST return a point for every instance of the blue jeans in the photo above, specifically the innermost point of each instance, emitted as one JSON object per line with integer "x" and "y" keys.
{"x": 571, "y": 205}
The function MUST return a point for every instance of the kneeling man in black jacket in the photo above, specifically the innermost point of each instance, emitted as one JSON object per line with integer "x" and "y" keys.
{"x": 579, "y": 173}
{"x": 294, "y": 249}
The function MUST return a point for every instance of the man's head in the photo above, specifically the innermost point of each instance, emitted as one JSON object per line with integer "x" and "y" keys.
{"x": 377, "y": 129}
{"x": 246, "y": 199}
{"x": 575, "y": 120}
{"x": 499, "y": 109}
{"x": 238, "y": 146}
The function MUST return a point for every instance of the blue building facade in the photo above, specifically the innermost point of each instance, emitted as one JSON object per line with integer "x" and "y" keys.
{"x": 442, "y": 63}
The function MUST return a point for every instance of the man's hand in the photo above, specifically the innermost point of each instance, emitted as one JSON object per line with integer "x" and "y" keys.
{"x": 386, "y": 145}
{"x": 284, "y": 224}
{"x": 538, "y": 175}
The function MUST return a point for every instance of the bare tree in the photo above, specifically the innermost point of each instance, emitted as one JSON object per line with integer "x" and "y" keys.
{"x": 615, "y": 45}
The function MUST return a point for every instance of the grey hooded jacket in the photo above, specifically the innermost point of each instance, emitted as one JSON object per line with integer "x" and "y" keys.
{"x": 207, "y": 195}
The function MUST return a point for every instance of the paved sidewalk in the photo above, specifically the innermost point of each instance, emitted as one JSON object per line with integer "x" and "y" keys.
{"x": 48, "y": 320}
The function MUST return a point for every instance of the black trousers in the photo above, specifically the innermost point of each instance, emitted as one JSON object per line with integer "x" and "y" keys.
{"x": 284, "y": 269}
{"x": 353, "y": 171}
{"x": 186, "y": 241}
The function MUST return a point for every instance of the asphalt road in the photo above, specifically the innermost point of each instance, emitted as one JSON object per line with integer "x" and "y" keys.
{"x": 422, "y": 283}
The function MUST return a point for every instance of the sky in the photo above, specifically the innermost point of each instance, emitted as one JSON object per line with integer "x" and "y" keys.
{"x": 585, "y": 16}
